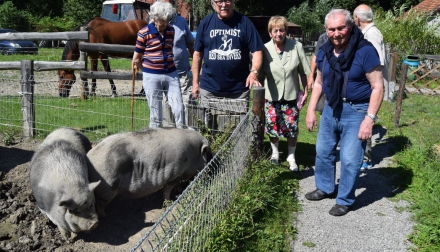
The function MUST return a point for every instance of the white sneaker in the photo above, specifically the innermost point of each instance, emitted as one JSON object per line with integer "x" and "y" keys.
{"x": 292, "y": 165}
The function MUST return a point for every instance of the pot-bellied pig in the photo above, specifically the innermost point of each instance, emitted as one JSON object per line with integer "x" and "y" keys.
{"x": 59, "y": 181}
{"x": 136, "y": 164}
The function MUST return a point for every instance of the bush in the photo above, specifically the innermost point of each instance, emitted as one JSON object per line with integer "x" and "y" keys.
{"x": 12, "y": 18}
{"x": 408, "y": 33}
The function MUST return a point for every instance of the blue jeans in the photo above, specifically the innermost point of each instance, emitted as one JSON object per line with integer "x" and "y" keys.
{"x": 340, "y": 125}
{"x": 157, "y": 85}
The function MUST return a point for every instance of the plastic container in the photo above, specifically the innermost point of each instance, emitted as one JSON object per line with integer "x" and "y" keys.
{"x": 413, "y": 62}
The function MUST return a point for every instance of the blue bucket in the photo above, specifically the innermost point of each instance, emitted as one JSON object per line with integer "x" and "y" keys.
{"x": 413, "y": 62}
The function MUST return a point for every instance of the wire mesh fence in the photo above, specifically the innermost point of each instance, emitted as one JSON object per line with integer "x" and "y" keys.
{"x": 188, "y": 223}
{"x": 102, "y": 114}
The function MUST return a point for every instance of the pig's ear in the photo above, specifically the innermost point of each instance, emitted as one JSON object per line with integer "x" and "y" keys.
{"x": 92, "y": 186}
{"x": 206, "y": 152}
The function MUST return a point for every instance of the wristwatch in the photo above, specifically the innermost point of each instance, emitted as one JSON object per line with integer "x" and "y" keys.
{"x": 254, "y": 71}
{"x": 373, "y": 117}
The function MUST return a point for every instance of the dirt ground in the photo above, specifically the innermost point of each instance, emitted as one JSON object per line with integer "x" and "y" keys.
{"x": 24, "y": 228}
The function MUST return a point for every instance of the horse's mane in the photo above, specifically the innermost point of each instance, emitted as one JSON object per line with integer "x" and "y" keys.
{"x": 72, "y": 46}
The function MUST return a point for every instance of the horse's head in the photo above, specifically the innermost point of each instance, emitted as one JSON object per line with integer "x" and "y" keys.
{"x": 66, "y": 79}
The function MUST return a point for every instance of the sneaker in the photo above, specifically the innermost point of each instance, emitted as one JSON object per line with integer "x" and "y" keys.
{"x": 292, "y": 165}
{"x": 365, "y": 166}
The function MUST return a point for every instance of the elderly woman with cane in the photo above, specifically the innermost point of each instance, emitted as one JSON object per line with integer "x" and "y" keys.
{"x": 154, "y": 55}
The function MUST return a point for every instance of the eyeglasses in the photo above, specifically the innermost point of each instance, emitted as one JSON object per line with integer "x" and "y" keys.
{"x": 339, "y": 29}
{"x": 223, "y": 1}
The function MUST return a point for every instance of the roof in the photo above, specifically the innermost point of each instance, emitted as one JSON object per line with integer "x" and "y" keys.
{"x": 292, "y": 24}
{"x": 428, "y": 6}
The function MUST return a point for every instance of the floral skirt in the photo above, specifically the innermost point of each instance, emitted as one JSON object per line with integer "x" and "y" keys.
{"x": 281, "y": 118}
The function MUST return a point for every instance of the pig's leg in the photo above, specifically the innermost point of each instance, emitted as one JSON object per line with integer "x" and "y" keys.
{"x": 66, "y": 234}
{"x": 100, "y": 206}
{"x": 168, "y": 188}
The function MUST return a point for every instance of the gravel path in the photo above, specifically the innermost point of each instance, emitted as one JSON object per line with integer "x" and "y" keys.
{"x": 375, "y": 222}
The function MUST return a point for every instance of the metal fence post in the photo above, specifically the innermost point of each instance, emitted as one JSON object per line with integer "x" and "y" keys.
{"x": 400, "y": 95}
{"x": 27, "y": 91}
{"x": 259, "y": 120}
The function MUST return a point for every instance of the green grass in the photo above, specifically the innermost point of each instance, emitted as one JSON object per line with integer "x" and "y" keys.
{"x": 97, "y": 117}
{"x": 418, "y": 140}
{"x": 259, "y": 216}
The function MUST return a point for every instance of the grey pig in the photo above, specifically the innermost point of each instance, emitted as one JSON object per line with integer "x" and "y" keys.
{"x": 136, "y": 164}
{"x": 59, "y": 181}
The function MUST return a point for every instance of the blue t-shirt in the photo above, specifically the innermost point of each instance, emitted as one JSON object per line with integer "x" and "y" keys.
{"x": 182, "y": 36}
{"x": 358, "y": 87}
{"x": 226, "y": 46}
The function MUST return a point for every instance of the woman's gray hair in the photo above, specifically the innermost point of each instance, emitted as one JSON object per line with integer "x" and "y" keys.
{"x": 365, "y": 15}
{"x": 348, "y": 19}
{"x": 162, "y": 11}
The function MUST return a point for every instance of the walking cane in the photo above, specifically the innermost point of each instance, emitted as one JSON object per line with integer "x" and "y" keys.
{"x": 132, "y": 97}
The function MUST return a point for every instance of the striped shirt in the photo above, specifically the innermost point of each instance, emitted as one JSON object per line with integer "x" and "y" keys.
{"x": 157, "y": 52}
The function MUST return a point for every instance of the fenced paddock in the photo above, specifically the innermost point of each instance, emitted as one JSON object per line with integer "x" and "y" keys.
{"x": 98, "y": 116}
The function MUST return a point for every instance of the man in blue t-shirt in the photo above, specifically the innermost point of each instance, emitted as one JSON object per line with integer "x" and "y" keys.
{"x": 350, "y": 76}
{"x": 225, "y": 42}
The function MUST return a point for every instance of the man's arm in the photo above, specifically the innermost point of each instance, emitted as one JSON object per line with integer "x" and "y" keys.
{"x": 311, "y": 78}
{"x": 376, "y": 81}
{"x": 195, "y": 68}
{"x": 316, "y": 93}
{"x": 257, "y": 61}
{"x": 190, "y": 47}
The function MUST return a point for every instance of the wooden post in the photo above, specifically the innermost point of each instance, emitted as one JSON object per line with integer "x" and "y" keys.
{"x": 259, "y": 120}
{"x": 83, "y": 57}
{"x": 392, "y": 67}
{"x": 133, "y": 78}
{"x": 400, "y": 95}
{"x": 386, "y": 81}
{"x": 27, "y": 104}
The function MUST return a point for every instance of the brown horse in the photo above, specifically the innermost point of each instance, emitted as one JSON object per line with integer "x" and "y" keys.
{"x": 100, "y": 31}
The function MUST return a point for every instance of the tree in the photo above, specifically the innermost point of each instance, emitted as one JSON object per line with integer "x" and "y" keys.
{"x": 13, "y": 18}
{"x": 75, "y": 12}
{"x": 311, "y": 18}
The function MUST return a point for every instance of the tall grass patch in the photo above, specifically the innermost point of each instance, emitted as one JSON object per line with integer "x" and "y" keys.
{"x": 419, "y": 140}
{"x": 260, "y": 214}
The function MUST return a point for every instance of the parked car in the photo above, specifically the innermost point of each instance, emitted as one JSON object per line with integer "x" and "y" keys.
{"x": 17, "y": 46}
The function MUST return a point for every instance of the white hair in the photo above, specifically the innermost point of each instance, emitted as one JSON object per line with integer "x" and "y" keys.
{"x": 162, "y": 10}
{"x": 365, "y": 15}
{"x": 348, "y": 20}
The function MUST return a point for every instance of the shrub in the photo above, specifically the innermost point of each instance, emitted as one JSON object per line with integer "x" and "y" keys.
{"x": 408, "y": 33}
